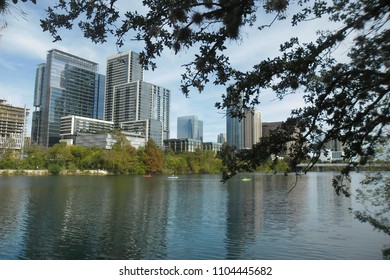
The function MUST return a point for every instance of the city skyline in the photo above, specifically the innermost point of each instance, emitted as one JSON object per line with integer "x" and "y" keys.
{"x": 24, "y": 46}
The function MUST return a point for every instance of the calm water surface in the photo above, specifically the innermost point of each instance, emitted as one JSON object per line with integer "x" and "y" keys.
{"x": 192, "y": 217}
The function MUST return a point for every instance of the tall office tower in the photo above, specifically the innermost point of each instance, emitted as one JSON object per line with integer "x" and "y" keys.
{"x": 38, "y": 94}
{"x": 69, "y": 88}
{"x": 234, "y": 131}
{"x": 129, "y": 99}
{"x": 12, "y": 126}
{"x": 252, "y": 128}
{"x": 189, "y": 127}
{"x": 244, "y": 133}
{"x": 140, "y": 100}
{"x": 98, "y": 108}
{"x": 122, "y": 68}
{"x": 160, "y": 106}
{"x": 221, "y": 138}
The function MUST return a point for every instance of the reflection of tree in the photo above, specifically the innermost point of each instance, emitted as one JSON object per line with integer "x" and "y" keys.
{"x": 43, "y": 222}
{"x": 330, "y": 210}
{"x": 196, "y": 217}
{"x": 374, "y": 195}
{"x": 136, "y": 222}
{"x": 245, "y": 214}
{"x": 13, "y": 209}
{"x": 76, "y": 219}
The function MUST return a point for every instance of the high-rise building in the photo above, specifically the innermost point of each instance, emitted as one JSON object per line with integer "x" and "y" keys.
{"x": 244, "y": 133}
{"x": 12, "y": 126}
{"x": 38, "y": 95}
{"x": 70, "y": 86}
{"x": 189, "y": 127}
{"x": 221, "y": 138}
{"x": 252, "y": 128}
{"x": 121, "y": 69}
{"x": 98, "y": 111}
{"x": 129, "y": 99}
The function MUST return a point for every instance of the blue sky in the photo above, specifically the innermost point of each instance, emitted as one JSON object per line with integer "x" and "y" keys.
{"x": 23, "y": 45}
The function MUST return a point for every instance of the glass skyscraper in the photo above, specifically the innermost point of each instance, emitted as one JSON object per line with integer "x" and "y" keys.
{"x": 70, "y": 86}
{"x": 38, "y": 95}
{"x": 98, "y": 112}
{"x": 189, "y": 127}
{"x": 244, "y": 133}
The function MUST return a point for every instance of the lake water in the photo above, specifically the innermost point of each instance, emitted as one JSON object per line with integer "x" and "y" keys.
{"x": 191, "y": 217}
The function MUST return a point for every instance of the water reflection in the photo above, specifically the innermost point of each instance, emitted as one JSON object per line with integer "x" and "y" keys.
{"x": 193, "y": 217}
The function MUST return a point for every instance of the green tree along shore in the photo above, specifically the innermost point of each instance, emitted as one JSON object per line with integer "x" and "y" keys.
{"x": 125, "y": 159}
{"x": 121, "y": 159}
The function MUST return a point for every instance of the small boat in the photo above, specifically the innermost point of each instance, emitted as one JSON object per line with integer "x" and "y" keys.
{"x": 148, "y": 176}
{"x": 246, "y": 179}
{"x": 173, "y": 176}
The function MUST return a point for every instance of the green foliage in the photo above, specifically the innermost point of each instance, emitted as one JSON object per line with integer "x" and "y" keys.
{"x": 60, "y": 154}
{"x": 153, "y": 158}
{"x": 36, "y": 157}
{"x": 203, "y": 162}
{"x": 122, "y": 158}
{"x": 94, "y": 159}
{"x": 54, "y": 169}
{"x": 9, "y": 159}
{"x": 175, "y": 163}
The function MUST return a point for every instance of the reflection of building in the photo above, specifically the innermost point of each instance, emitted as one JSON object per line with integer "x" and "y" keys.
{"x": 190, "y": 127}
{"x": 129, "y": 98}
{"x": 12, "y": 126}
{"x": 244, "y": 216}
{"x": 65, "y": 85}
{"x": 244, "y": 133}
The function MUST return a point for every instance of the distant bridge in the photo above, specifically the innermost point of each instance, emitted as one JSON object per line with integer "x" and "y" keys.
{"x": 339, "y": 166}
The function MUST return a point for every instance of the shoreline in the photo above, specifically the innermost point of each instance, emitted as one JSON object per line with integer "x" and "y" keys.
{"x": 45, "y": 172}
